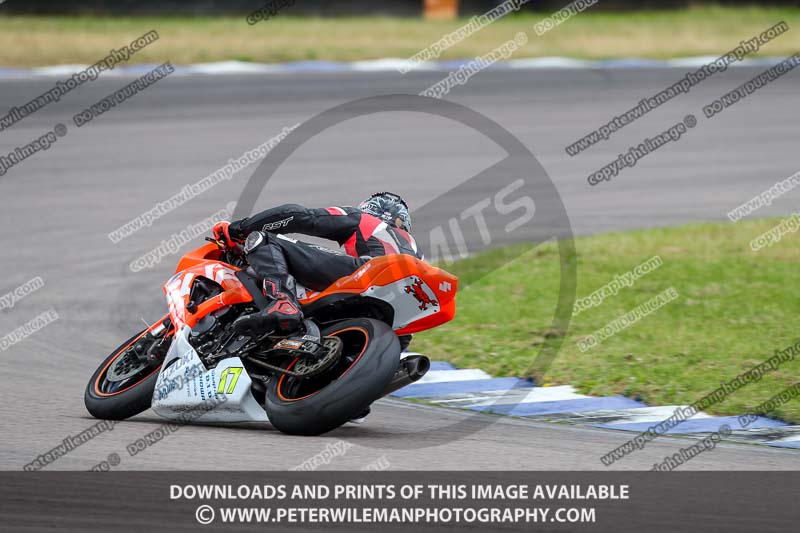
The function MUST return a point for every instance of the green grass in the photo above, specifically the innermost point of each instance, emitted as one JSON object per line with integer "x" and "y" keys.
{"x": 735, "y": 308}
{"x": 30, "y": 41}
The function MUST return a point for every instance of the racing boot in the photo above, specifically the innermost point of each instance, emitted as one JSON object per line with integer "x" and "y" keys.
{"x": 282, "y": 314}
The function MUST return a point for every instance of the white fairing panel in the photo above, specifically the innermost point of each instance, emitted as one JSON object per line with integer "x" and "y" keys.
{"x": 185, "y": 386}
{"x": 407, "y": 308}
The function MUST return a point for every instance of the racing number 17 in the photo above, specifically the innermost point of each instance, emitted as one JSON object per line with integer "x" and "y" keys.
{"x": 234, "y": 373}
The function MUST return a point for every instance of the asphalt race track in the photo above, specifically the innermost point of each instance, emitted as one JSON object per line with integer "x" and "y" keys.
{"x": 59, "y": 206}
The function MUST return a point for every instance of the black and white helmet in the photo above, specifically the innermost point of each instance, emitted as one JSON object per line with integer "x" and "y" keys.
{"x": 390, "y": 208}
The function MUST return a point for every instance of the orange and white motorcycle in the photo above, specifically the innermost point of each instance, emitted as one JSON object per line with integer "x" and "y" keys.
{"x": 192, "y": 365}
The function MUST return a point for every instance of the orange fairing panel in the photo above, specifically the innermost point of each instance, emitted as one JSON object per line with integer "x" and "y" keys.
{"x": 423, "y": 296}
{"x": 209, "y": 252}
{"x": 203, "y": 262}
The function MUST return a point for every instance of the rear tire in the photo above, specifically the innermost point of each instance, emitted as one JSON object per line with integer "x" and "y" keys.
{"x": 125, "y": 403}
{"x": 294, "y": 407}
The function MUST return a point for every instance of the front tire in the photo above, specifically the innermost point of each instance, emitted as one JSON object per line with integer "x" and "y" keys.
{"x": 313, "y": 406}
{"x": 118, "y": 401}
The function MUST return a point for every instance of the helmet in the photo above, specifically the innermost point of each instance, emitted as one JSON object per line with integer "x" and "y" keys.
{"x": 389, "y": 207}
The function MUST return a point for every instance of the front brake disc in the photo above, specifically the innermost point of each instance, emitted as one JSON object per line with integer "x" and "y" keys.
{"x": 125, "y": 367}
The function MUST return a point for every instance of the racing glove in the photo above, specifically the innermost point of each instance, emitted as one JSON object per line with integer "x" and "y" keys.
{"x": 222, "y": 233}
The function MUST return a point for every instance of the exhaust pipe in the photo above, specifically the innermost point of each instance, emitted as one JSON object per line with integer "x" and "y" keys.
{"x": 411, "y": 369}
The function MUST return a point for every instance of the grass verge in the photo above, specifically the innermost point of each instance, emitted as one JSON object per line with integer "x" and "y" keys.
{"x": 34, "y": 41}
{"x": 735, "y": 308}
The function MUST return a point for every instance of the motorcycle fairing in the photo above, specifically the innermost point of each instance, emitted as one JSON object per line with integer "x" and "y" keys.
{"x": 422, "y": 295}
{"x": 407, "y": 310}
{"x": 178, "y": 290}
{"x": 184, "y": 384}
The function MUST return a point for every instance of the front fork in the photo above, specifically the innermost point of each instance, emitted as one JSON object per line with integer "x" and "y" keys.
{"x": 153, "y": 346}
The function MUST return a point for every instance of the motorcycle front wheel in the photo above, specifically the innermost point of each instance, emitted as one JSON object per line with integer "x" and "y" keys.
{"x": 122, "y": 386}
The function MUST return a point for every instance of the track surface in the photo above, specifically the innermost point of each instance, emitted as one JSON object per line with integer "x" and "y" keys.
{"x": 59, "y": 206}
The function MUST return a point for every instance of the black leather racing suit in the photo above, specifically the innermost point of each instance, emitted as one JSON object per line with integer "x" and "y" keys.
{"x": 362, "y": 235}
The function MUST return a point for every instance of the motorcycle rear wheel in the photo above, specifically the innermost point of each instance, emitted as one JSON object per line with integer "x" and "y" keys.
{"x": 313, "y": 406}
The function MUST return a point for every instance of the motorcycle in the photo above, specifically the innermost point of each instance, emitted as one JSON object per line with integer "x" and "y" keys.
{"x": 192, "y": 364}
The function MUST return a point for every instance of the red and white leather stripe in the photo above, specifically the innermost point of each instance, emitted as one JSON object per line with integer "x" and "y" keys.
{"x": 389, "y": 244}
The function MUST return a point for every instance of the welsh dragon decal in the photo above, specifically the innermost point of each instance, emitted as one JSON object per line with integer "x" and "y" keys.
{"x": 415, "y": 289}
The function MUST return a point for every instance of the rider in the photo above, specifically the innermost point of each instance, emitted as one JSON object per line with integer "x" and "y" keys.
{"x": 379, "y": 226}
